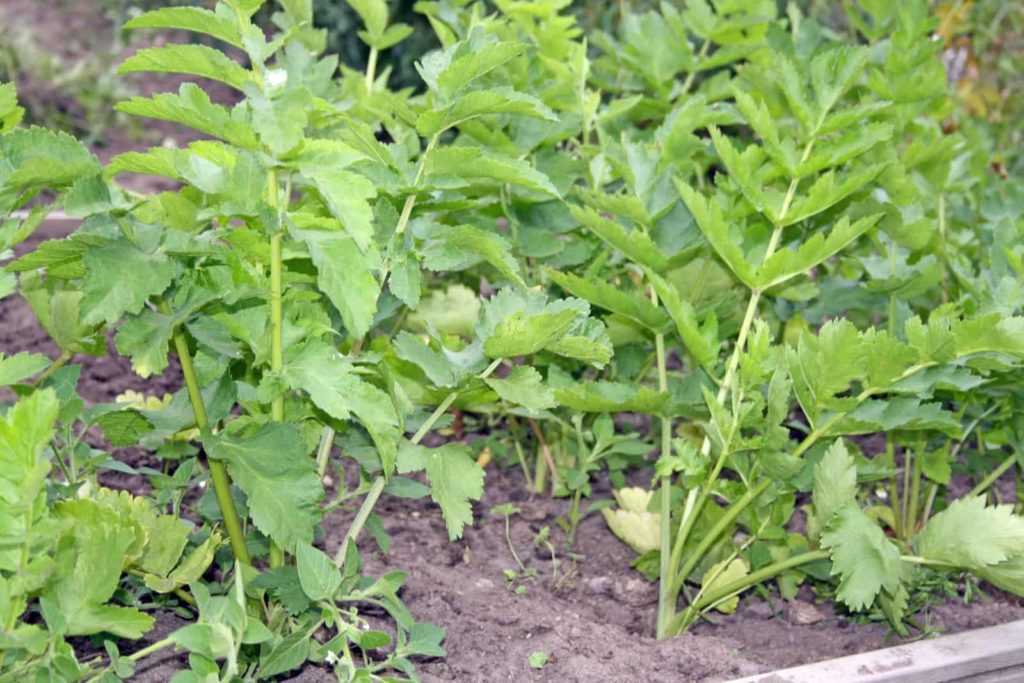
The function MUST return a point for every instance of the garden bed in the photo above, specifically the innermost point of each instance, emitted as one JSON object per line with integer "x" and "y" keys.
{"x": 595, "y": 620}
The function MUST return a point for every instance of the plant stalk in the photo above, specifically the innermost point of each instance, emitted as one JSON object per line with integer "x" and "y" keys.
{"x": 276, "y": 326}
{"x": 55, "y": 367}
{"x": 993, "y": 476}
{"x": 218, "y": 472}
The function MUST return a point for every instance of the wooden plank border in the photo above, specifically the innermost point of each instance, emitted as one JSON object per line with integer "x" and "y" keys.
{"x": 989, "y": 655}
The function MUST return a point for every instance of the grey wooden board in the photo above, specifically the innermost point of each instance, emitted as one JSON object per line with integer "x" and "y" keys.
{"x": 987, "y": 655}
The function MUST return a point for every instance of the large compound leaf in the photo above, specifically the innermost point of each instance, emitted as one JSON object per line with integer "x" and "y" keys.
{"x": 345, "y": 275}
{"x": 968, "y": 534}
{"x": 191, "y": 107}
{"x": 195, "y": 60}
{"x": 189, "y": 19}
{"x": 108, "y": 293}
{"x": 454, "y": 478}
{"x": 835, "y": 483}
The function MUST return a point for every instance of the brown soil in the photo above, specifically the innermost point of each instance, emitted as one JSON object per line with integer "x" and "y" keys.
{"x": 595, "y": 619}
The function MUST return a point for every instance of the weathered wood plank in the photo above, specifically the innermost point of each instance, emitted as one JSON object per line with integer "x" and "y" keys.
{"x": 987, "y": 655}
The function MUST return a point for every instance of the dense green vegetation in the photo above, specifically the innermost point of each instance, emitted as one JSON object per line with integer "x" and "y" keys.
{"x": 760, "y": 230}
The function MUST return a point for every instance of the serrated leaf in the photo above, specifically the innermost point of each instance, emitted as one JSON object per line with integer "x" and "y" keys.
{"x": 523, "y": 333}
{"x": 455, "y": 165}
{"x": 449, "y": 246}
{"x": 108, "y": 294}
{"x": 191, "y": 107}
{"x": 477, "y": 61}
{"x": 434, "y": 364}
{"x": 374, "y": 14}
{"x": 631, "y": 522}
{"x": 189, "y": 19}
{"x": 335, "y": 388}
{"x": 195, "y": 60}
{"x": 702, "y": 342}
{"x": 454, "y": 478}
{"x": 786, "y": 264}
{"x": 826, "y": 192}
{"x": 347, "y": 195}
{"x": 971, "y": 535}
{"x": 291, "y": 653}
{"x": 345, "y": 275}
{"x": 865, "y": 560}
{"x": 273, "y": 468}
{"x": 524, "y": 387}
{"x": 606, "y": 296}
{"x": 835, "y": 483}
{"x": 481, "y": 103}
{"x": 711, "y": 221}
{"x": 124, "y": 427}
{"x": 636, "y": 245}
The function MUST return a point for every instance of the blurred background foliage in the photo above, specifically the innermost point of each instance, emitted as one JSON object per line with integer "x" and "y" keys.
{"x": 74, "y": 85}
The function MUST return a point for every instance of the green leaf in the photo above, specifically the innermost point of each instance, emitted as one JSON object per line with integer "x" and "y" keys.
{"x": 108, "y": 294}
{"x": 273, "y": 468}
{"x": 291, "y": 653}
{"x": 833, "y": 72}
{"x": 612, "y": 397}
{"x": 702, "y": 342}
{"x": 145, "y": 339}
{"x": 604, "y": 295}
{"x": 1007, "y": 575}
{"x": 195, "y": 60}
{"x": 335, "y": 388}
{"x": 520, "y": 327}
{"x": 826, "y": 192}
{"x": 192, "y": 107}
{"x": 19, "y": 367}
{"x": 25, "y": 432}
{"x": 374, "y": 14}
{"x": 452, "y": 166}
{"x": 971, "y": 535}
{"x": 835, "y": 483}
{"x": 280, "y": 121}
{"x": 454, "y": 478}
{"x": 865, "y": 560}
{"x": 721, "y": 574}
{"x": 449, "y": 246}
{"x": 189, "y": 19}
{"x": 319, "y": 577}
{"x": 347, "y": 196}
{"x": 524, "y": 387}
{"x": 711, "y": 221}
{"x": 635, "y": 245}
{"x": 786, "y": 264}
{"x": 124, "y": 427}
{"x": 10, "y": 112}
{"x": 345, "y": 275}
{"x": 434, "y": 364}
{"x": 481, "y": 103}
{"x": 465, "y": 68}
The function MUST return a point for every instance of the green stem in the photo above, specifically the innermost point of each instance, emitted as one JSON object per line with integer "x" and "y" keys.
{"x": 739, "y": 585}
{"x": 55, "y": 366}
{"x": 323, "y": 453}
{"x": 371, "y": 69}
{"x": 993, "y": 476}
{"x": 914, "y": 502}
{"x": 894, "y": 489}
{"x": 218, "y": 471}
{"x": 666, "y": 607}
{"x": 378, "y": 485}
{"x": 688, "y": 83}
{"x": 276, "y": 325}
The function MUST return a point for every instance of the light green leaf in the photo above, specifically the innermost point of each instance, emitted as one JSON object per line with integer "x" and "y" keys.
{"x": 333, "y": 385}
{"x": 721, "y": 574}
{"x": 318, "y": 576}
{"x": 347, "y": 195}
{"x": 480, "y": 60}
{"x": 189, "y": 19}
{"x": 196, "y": 60}
{"x": 452, "y": 166}
{"x": 711, "y": 221}
{"x": 449, "y": 245}
{"x": 786, "y": 264}
{"x": 19, "y": 367}
{"x": 865, "y": 560}
{"x": 291, "y": 653}
{"x": 524, "y": 387}
{"x": 604, "y": 295}
{"x": 434, "y": 364}
{"x": 702, "y": 342}
{"x": 374, "y": 14}
{"x": 612, "y": 397}
{"x": 826, "y": 192}
{"x": 971, "y": 535}
{"x": 635, "y": 245}
{"x": 454, "y": 478}
{"x": 631, "y": 522}
{"x": 835, "y": 483}
{"x": 273, "y": 468}
{"x": 345, "y": 275}
{"x": 481, "y": 103}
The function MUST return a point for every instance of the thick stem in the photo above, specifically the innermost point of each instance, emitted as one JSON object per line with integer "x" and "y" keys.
{"x": 323, "y": 453}
{"x": 666, "y": 608}
{"x": 218, "y": 472}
